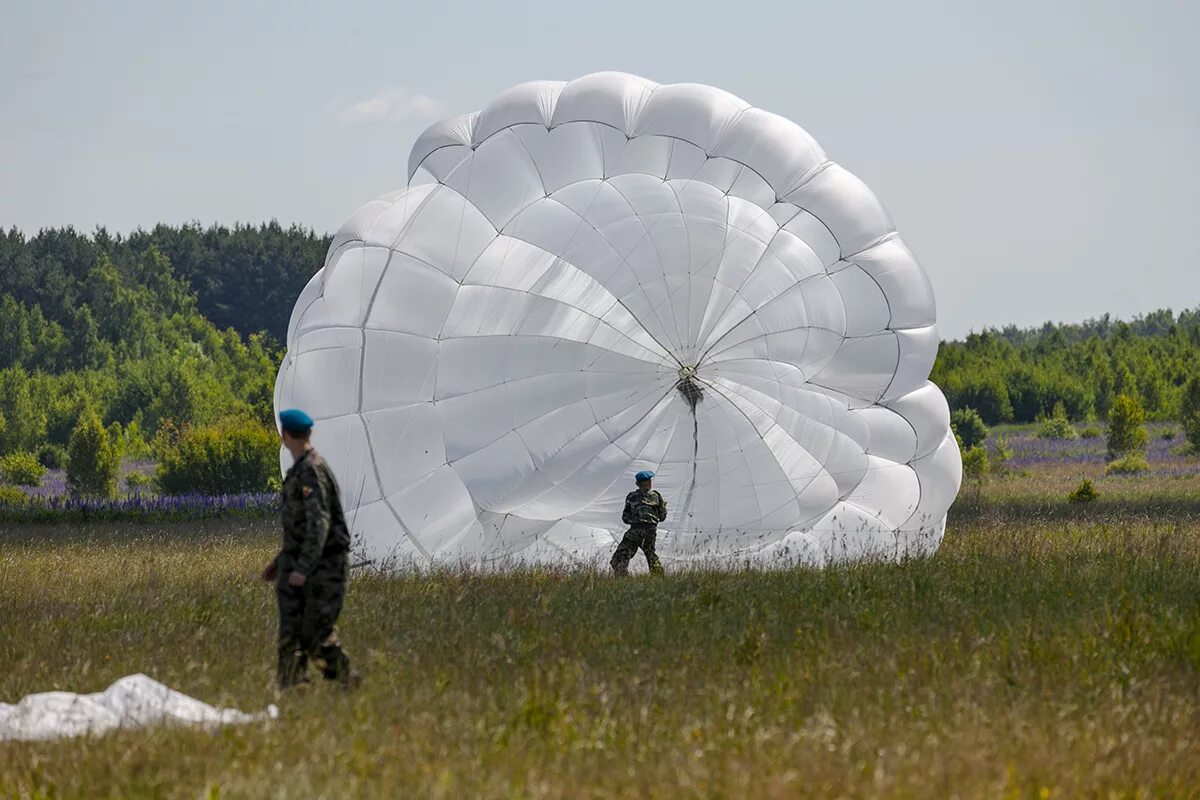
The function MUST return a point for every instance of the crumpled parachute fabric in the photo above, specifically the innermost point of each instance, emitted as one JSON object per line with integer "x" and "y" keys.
{"x": 132, "y": 702}
{"x": 592, "y": 278}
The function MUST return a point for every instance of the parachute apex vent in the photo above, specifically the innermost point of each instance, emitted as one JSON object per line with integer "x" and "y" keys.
{"x": 689, "y": 387}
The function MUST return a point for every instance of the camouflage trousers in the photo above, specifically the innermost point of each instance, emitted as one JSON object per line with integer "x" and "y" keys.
{"x": 307, "y": 621}
{"x": 638, "y": 536}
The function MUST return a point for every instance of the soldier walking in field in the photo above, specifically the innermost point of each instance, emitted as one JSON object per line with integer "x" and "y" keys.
{"x": 644, "y": 509}
{"x": 311, "y": 570}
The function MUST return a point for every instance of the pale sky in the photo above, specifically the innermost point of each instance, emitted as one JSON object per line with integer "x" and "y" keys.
{"x": 1041, "y": 158}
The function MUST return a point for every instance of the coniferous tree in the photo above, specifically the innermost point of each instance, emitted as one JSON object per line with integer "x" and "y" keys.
{"x": 1126, "y": 433}
{"x": 92, "y": 461}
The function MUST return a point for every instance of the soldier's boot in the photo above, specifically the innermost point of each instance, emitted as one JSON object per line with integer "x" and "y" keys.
{"x": 620, "y": 566}
{"x": 336, "y": 665}
{"x": 656, "y": 567}
{"x": 293, "y": 669}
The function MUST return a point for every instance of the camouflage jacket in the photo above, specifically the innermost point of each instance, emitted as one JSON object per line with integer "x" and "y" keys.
{"x": 644, "y": 508}
{"x": 313, "y": 523}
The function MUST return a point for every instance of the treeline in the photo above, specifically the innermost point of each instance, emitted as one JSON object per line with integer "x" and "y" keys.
{"x": 185, "y": 325}
{"x": 244, "y": 277}
{"x": 1022, "y": 375}
{"x": 96, "y": 324}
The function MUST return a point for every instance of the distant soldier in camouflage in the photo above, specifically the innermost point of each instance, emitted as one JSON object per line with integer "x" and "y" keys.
{"x": 644, "y": 509}
{"x": 311, "y": 571}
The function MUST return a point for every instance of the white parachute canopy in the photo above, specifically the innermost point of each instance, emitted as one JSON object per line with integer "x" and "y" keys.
{"x": 611, "y": 275}
{"x": 134, "y": 701}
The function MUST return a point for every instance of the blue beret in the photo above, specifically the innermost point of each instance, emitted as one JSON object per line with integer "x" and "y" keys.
{"x": 293, "y": 420}
{"x": 644, "y": 475}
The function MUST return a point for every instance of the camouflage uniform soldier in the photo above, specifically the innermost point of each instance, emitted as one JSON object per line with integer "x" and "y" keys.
{"x": 311, "y": 571}
{"x": 644, "y": 509}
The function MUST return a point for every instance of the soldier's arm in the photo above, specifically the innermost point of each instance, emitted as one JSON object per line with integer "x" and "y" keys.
{"x": 627, "y": 514}
{"x": 316, "y": 516}
{"x": 662, "y": 508}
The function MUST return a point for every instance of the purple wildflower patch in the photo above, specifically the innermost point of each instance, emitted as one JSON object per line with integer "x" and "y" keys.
{"x": 51, "y": 501}
{"x": 141, "y": 507}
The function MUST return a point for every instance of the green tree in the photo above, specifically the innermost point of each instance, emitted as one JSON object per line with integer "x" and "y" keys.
{"x": 1125, "y": 382}
{"x": 975, "y": 462}
{"x": 1190, "y": 413}
{"x": 1153, "y": 388}
{"x": 969, "y": 426}
{"x": 86, "y": 347}
{"x": 16, "y": 343}
{"x": 92, "y": 461}
{"x": 1126, "y": 433}
{"x": 25, "y": 418}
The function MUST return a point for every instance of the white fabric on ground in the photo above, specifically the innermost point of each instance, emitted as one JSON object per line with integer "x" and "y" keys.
{"x": 131, "y": 702}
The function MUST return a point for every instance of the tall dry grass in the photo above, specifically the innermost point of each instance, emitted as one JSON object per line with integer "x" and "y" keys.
{"x": 1056, "y": 658}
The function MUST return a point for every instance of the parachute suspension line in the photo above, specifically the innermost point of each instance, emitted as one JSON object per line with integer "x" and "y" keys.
{"x": 693, "y": 394}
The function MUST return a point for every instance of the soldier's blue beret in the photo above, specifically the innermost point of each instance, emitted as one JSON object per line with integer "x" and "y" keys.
{"x": 293, "y": 420}
{"x": 644, "y": 475}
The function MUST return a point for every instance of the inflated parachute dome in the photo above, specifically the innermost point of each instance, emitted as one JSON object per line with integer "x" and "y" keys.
{"x": 610, "y": 275}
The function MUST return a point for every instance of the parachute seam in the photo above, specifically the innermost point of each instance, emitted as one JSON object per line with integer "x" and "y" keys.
{"x": 599, "y": 320}
{"x": 611, "y": 440}
{"x": 808, "y": 418}
{"x": 666, "y": 351}
{"x": 533, "y": 161}
{"x": 657, "y": 254}
{"x": 491, "y": 442}
{"x": 724, "y": 247}
{"x": 527, "y": 378}
{"x": 687, "y": 238}
{"x": 500, "y": 232}
{"x": 764, "y": 306}
{"x": 808, "y": 451}
{"x": 709, "y": 356}
{"x": 741, "y": 451}
{"x": 826, "y": 164}
{"x": 822, "y": 469}
{"x": 362, "y": 329}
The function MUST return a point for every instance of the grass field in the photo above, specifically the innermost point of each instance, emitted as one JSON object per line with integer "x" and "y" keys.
{"x": 1049, "y": 649}
{"x": 1043, "y": 659}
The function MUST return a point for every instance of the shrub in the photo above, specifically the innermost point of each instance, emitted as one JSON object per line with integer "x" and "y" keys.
{"x": 21, "y": 468}
{"x": 1125, "y": 432}
{"x": 1091, "y": 432}
{"x": 1130, "y": 464}
{"x": 231, "y": 456}
{"x": 51, "y": 456}
{"x": 1057, "y": 427}
{"x": 975, "y": 462}
{"x": 1168, "y": 435}
{"x": 92, "y": 461}
{"x": 136, "y": 481}
{"x": 12, "y": 496}
{"x": 969, "y": 427}
{"x": 1084, "y": 493}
